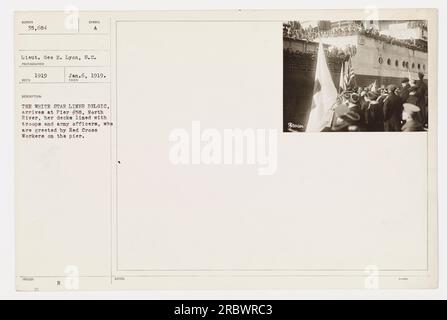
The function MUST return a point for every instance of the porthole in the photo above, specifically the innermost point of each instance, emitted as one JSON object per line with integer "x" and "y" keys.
{"x": 412, "y": 65}
{"x": 380, "y": 60}
{"x": 419, "y": 66}
{"x": 403, "y": 64}
{"x": 423, "y": 66}
{"x": 396, "y": 63}
{"x": 388, "y": 61}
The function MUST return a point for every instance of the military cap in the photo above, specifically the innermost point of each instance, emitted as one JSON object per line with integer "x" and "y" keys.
{"x": 411, "y": 108}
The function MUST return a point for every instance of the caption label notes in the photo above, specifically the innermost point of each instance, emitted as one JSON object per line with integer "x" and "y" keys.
{"x": 63, "y": 77}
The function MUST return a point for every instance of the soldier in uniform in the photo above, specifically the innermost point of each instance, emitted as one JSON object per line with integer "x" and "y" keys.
{"x": 352, "y": 119}
{"x": 413, "y": 98}
{"x": 405, "y": 91}
{"x": 374, "y": 113}
{"x": 409, "y": 116}
{"x": 392, "y": 110}
{"x": 422, "y": 102}
{"x": 413, "y": 94}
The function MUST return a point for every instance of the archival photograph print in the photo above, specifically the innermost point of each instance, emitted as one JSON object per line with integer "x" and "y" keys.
{"x": 349, "y": 76}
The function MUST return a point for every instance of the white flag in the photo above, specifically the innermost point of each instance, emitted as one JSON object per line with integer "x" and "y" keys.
{"x": 409, "y": 75}
{"x": 324, "y": 97}
{"x": 341, "y": 84}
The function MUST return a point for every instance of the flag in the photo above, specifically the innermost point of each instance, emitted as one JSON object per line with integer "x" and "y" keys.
{"x": 409, "y": 75}
{"x": 349, "y": 74}
{"x": 324, "y": 96}
{"x": 341, "y": 83}
{"x": 374, "y": 86}
{"x": 408, "y": 68}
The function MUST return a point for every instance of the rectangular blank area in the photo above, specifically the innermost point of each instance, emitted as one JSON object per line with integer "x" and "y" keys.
{"x": 336, "y": 202}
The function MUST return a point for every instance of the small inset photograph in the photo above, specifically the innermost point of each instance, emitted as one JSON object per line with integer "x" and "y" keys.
{"x": 355, "y": 76}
